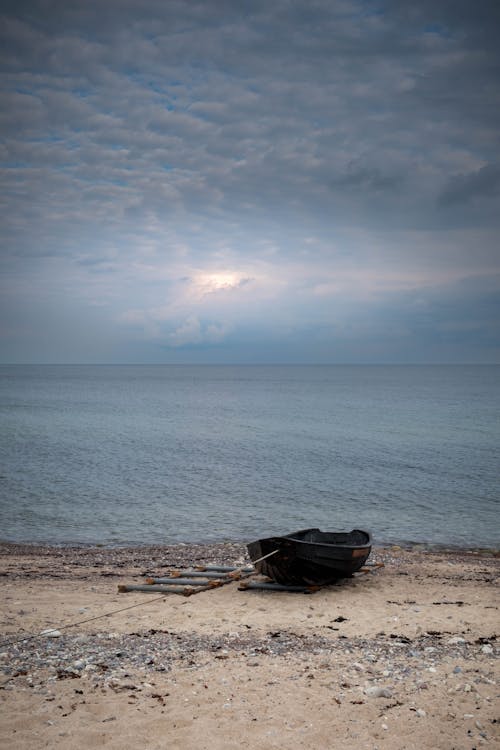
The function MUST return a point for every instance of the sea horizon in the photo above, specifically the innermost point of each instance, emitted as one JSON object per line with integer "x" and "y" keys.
{"x": 249, "y": 364}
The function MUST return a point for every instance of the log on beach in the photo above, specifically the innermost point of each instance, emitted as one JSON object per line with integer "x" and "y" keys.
{"x": 165, "y": 589}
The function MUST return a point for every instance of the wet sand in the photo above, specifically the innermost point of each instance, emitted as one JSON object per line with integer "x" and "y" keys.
{"x": 403, "y": 656}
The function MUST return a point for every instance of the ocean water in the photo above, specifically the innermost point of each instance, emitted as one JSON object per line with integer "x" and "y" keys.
{"x": 162, "y": 454}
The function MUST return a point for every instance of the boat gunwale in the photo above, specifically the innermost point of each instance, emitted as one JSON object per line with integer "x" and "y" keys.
{"x": 344, "y": 545}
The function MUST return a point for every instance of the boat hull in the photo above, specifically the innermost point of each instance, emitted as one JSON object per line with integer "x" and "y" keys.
{"x": 311, "y": 557}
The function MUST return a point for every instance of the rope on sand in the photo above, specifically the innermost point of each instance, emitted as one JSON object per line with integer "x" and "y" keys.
{"x": 44, "y": 633}
{"x": 31, "y": 636}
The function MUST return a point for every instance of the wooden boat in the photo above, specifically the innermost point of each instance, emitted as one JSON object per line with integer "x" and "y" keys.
{"x": 311, "y": 556}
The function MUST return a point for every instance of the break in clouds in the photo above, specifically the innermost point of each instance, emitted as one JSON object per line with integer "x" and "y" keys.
{"x": 250, "y": 181}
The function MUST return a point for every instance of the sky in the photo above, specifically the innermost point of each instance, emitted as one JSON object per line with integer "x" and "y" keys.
{"x": 227, "y": 181}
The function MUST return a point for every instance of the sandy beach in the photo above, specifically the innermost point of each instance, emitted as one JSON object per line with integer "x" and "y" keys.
{"x": 404, "y": 656}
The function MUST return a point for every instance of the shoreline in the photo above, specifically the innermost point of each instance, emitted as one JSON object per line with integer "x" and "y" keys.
{"x": 383, "y": 544}
{"x": 7, "y": 544}
{"x": 404, "y": 656}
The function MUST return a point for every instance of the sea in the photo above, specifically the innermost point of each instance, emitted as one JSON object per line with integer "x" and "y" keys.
{"x": 119, "y": 455}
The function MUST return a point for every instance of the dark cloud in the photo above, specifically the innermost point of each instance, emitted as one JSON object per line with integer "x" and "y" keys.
{"x": 478, "y": 185}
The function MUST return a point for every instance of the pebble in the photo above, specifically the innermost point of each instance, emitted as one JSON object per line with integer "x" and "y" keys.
{"x": 118, "y": 685}
{"x": 456, "y": 640}
{"x": 378, "y": 692}
{"x": 421, "y": 685}
{"x": 81, "y": 638}
{"x": 487, "y": 648}
{"x": 421, "y": 713}
{"x": 98, "y": 657}
{"x": 51, "y": 633}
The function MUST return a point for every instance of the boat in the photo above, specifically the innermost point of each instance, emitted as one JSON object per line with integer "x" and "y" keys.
{"x": 311, "y": 556}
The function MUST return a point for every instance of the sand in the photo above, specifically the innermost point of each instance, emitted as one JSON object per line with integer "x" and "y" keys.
{"x": 404, "y": 656}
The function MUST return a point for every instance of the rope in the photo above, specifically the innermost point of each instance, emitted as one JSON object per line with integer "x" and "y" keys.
{"x": 265, "y": 556}
{"x": 32, "y": 636}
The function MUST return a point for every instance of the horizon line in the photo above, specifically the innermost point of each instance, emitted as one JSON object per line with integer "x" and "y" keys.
{"x": 249, "y": 364}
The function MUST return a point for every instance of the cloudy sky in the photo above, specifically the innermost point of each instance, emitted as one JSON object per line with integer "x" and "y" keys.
{"x": 250, "y": 181}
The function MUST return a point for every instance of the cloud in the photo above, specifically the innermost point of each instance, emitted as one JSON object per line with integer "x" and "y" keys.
{"x": 475, "y": 186}
{"x": 189, "y": 332}
{"x": 202, "y": 170}
{"x": 192, "y": 332}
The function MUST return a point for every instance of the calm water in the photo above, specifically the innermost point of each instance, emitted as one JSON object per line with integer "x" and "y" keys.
{"x": 172, "y": 453}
